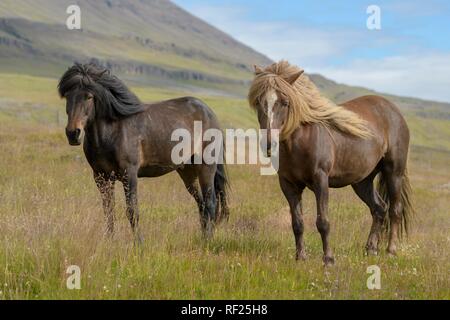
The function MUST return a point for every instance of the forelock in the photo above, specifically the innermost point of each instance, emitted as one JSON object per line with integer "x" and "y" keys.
{"x": 80, "y": 76}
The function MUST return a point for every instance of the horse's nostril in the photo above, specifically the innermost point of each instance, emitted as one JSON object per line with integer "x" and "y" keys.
{"x": 74, "y": 136}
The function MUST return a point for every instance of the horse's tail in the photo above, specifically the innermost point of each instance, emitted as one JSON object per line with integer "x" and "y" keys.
{"x": 407, "y": 209}
{"x": 221, "y": 186}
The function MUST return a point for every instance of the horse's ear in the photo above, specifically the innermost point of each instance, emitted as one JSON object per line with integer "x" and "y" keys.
{"x": 258, "y": 69}
{"x": 291, "y": 79}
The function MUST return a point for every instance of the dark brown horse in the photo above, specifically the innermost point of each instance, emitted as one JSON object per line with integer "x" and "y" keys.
{"x": 125, "y": 139}
{"x": 324, "y": 145}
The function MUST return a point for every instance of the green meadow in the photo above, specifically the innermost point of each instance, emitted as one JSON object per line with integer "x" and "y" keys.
{"x": 51, "y": 218}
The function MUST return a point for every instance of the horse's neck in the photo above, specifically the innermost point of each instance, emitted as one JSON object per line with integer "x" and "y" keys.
{"x": 303, "y": 135}
{"x": 101, "y": 131}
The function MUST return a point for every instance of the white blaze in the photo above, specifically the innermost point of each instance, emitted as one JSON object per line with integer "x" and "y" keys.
{"x": 271, "y": 100}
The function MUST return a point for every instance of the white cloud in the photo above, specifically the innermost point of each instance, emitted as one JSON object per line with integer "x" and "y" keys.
{"x": 279, "y": 40}
{"x": 417, "y": 8}
{"x": 423, "y": 74}
{"x": 306, "y": 46}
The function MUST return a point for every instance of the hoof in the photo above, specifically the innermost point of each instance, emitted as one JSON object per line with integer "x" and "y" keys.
{"x": 208, "y": 235}
{"x": 138, "y": 240}
{"x": 108, "y": 235}
{"x": 208, "y": 231}
{"x": 391, "y": 253}
{"x": 328, "y": 261}
{"x": 371, "y": 252}
{"x": 300, "y": 256}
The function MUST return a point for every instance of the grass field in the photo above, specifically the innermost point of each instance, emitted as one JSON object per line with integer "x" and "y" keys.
{"x": 51, "y": 218}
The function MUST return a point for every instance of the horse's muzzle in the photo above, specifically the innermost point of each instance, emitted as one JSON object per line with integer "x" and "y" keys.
{"x": 268, "y": 151}
{"x": 74, "y": 136}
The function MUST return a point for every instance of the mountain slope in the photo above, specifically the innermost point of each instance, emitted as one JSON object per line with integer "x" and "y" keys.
{"x": 149, "y": 22}
{"x": 149, "y": 41}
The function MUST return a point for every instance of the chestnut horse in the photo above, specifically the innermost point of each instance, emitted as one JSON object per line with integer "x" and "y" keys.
{"x": 326, "y": 145}
{"x": 125, "y": 139}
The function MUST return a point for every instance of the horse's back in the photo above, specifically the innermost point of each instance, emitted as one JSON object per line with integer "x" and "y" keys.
{"x": 383, "y": 116}
{"x": 375, "y": 109}
{"x": 388, "y": 122}
{"x": 189, "y": 108}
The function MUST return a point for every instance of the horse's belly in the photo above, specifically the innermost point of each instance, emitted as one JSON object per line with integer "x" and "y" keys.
{"x": 351, "y": 172}
{"x": 155, "y": 170}
{"x": 342, "y": 181}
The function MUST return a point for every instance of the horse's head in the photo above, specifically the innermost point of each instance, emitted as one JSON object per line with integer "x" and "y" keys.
{"x": 77, "y": 86}
{"x": 272, "y": 113}
{"x": 80, "y": 111}
{"x": 272, "y": 104}
{"x": 92, "y": 92}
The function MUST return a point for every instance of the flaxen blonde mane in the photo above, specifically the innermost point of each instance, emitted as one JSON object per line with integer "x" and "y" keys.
{"x": 306, "y": 104}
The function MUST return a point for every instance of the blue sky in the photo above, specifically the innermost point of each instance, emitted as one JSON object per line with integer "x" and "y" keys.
{"x": 410, "y": 55}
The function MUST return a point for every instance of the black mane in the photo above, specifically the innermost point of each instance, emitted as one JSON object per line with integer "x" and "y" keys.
{"x": 113, "y": 99}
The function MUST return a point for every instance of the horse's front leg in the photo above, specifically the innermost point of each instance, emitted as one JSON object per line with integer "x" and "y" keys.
{"x": 105, "y": 184}
{"x": 130, "y": 183}
{"x": 293, "y": 195}
{"x": 320, "y": 188}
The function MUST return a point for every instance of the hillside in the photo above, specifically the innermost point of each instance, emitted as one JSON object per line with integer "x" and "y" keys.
{"x": 152, "y": 42}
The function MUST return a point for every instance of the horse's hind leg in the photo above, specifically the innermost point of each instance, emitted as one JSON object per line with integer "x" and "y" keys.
{"x": 394, "y": 180}
{"x": 367, "y": 193}
{"x": 208, "y": 211}
{"x": 293, "y": 195}
{"x": 130, "y": 184}
{"x": 320, "y": 188}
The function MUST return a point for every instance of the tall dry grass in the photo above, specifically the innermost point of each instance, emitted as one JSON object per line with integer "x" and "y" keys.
{"x": 51, "y": 217}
